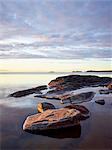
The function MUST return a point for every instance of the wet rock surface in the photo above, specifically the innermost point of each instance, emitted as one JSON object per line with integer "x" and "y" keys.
{"x": 77, "y": 98}
{"x": 81, "y": 108}
{"x": 48, "y": 95}
{"x": 62, "y": 84}
{"x": 101, "y": 102}
{"x": 52, "y": 119}
{"x": 73, "y": 82}
{"x": 107, "y": 91}
{"x": 28, "y": 91}
{"x": 69, "y": 97}
{"x": 41, "y": 107}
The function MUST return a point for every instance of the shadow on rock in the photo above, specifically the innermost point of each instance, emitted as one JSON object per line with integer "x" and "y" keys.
{"x": 70, "y": 132}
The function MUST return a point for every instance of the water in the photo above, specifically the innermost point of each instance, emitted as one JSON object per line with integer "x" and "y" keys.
{"x": 12, "y": 82}
{"x": 13, "y": 112}
{"x": 32, "y": 79}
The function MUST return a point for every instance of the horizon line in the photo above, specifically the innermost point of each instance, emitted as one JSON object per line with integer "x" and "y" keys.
{"x": 30, "y": 72}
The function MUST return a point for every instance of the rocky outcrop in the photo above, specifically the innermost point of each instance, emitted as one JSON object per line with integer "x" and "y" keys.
{"x": 73, "y": 82}
{"x": 52, "y": 119}
{"x": 101, "y": 102}
{"x": 28, "y": 91}
{"x": 41, "y": 107}
{"x": 62, "y": 84}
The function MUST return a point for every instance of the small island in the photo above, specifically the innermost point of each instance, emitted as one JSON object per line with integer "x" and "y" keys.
{"x": 99, "y": 71}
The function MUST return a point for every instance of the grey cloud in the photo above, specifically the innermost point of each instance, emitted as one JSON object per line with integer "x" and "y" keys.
{"x": 66, "y": 24}
{"x": 58, "y": 52}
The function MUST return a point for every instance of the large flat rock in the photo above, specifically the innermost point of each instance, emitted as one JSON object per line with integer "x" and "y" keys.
{"x": 73, "y": 82}
{"x": 52, "y": 119}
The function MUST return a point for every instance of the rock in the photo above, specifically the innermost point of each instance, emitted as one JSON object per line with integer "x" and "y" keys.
{"x": 80, "y": 108}
{"x": 69, "y": 97}
{"x": 73, "y": 82}
{"x": 109, "y": 86}
{"x": 78, "y": 98}
{"x": 48, "y": 96}
{"x": 70, "y": 132}
{"x": 28, "y": 91}
{"x": 65, "y": 96}
{"x": 105, "y": 91}
{"x": 56, "y": 95}
{"x": 101, "y": 102}
{"x": 52, "y": 119}
{"x": 41, "y": 107}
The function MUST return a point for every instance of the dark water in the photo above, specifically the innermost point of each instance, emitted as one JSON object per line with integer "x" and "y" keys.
{"x": 93, "y": 133}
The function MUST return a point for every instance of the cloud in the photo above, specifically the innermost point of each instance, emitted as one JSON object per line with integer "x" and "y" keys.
{"x": 59, "y": 29}
{"x": 53, "y": 51}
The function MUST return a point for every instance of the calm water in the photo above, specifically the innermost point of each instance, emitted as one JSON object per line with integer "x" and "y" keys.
{"x": 8, "y": 79}
{"x": 94, "y": 133}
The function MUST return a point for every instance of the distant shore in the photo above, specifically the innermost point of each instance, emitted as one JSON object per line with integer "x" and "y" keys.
{"x": 52, "y": 72}
{"x": 99, "y": 71}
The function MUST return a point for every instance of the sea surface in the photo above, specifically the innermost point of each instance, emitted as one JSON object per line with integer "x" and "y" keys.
{"x": 93, "y": 133}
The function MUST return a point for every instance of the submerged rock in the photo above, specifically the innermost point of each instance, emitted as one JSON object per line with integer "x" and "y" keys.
{"x": 73, "y": 82}
{"x": 41, "y": 107}
{"x": 101, "y": 102}
{"x": 107, "y": 91}
{"x": 55, "y": 95}
{"x": 28, "y": 91}
{"x": 78, "y": 98}
{"x": 52, "y": 119}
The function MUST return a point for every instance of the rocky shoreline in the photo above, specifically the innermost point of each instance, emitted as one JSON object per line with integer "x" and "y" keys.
{"x": 63, "y": 89}
{"x": 64, "y": 84}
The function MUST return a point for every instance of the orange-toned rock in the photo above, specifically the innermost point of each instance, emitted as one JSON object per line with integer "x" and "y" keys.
{"x": 109, "y": 86}
{"x": 81, "y": 108}
{"x": 65, "y": 96}
{"x": 41, "y": 107}
{"x": 52, "y": 119}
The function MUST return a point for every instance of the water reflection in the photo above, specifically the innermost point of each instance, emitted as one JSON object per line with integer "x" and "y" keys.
{"x": 71, "y": 132}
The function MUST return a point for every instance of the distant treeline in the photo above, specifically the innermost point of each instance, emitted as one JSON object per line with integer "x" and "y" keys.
{"x": 99, "y": 71}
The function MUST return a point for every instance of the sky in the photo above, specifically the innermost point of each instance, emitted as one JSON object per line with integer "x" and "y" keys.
{"x": 55, "y": 35}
